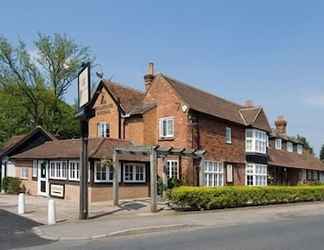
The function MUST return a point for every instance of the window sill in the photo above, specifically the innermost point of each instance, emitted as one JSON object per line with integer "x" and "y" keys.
{"x": 229, "y": 143}
{"x": 166, "y": 138}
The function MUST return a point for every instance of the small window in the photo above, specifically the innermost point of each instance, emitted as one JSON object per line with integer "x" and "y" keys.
{"x": 104, "y": 173}
{"x": 172, "y": 169}
{"x": 134, "y": 172}
{"x": 103, "y": 129}
{"x": 58, "y": 170}
{"x": 35, "y": 168}
{"x": 278, "y": 144}
{"x": 300, "y": 149}
{"x": 290, "y": 147}
{"x": 24, "y": 172}
{"x": 74, "y": 170}
{"x": 228, "y": 135}
{"x": 167, "y": 127}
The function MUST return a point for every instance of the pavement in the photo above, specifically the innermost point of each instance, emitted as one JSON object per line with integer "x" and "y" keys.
{"x": 36, "y": 208}
{"x": 112, "y": 226}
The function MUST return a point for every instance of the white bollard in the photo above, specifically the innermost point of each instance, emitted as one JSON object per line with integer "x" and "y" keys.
{"x": 51, "y": 212}
{"x": 21, "y": 203}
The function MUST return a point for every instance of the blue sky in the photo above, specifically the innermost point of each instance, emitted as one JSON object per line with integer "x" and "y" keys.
{"x": 268, "y": 51}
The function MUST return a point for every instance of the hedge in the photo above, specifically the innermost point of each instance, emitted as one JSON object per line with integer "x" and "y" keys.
{"x": 204, "y": 198}
{"x": 12, "y": 185}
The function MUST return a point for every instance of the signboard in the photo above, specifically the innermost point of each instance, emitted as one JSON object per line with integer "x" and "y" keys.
{"x": 84, "y": 86}
{"x": 57, "y": 190}
{"x": 229, "y": 173}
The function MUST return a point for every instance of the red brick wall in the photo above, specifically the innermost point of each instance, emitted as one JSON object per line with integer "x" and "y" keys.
{"x": 212, "y": 139}
{"x": 106, "y": 110}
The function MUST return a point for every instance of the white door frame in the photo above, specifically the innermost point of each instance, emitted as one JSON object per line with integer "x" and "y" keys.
{"x": 40, "y": 178}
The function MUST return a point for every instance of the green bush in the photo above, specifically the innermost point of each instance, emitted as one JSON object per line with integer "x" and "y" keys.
{"x": 12, "y": 185}
{"x": 198, "y": 198}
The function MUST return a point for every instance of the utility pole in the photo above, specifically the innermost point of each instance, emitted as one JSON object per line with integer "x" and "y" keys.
{"x": 84, "y": 115}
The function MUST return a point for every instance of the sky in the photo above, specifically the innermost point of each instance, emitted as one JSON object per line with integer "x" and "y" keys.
{"x": 270, "y": 52}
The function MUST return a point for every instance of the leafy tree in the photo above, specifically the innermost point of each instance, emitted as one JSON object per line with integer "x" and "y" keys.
{"x": 322, "y": 153}
{"x": 33, "y": 85}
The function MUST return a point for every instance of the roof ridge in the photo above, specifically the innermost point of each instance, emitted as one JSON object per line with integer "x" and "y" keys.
{"x": 107, "y": 81}
{"x": 201, "y": 90}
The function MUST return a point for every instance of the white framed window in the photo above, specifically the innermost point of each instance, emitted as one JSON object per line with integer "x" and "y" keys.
{"x": 103, "y": 129}
{"x": 24, "y": 172}
{"x": 104, "y": 173}
{"x": 74, "y": 170}
{"x": 228, "y": 135}
{"x": 256, "y": 174}
{"x": 278, "y": 144}
{"x": 256, "y": 141}
{"x": 35, "y": 168}
{"x": 134, "y": 172}
{"x": 58, "y": 170}
{"x": 172, "y": 169}
{"x": 213, "y": 173}
{"x": 290, "y": 146}
{"x": 229, "y": 173}
{"x": 167, "y": 127}
{"x": 300, "y": 149}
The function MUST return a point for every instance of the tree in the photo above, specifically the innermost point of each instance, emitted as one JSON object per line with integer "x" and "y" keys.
{"x": 322, "y": 153}
{"x": 33, "y": 85}
{"x": 61, "y": 59}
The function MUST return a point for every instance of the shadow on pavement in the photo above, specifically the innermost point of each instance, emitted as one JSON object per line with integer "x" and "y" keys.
{"x": 15, "y": 232}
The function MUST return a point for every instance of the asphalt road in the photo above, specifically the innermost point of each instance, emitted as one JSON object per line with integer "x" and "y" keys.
{"x": 15, "y": 232}
{"x": 291, "y": 233}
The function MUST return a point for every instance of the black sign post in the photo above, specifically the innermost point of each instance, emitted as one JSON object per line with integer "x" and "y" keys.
{"x": 84, "y": 115}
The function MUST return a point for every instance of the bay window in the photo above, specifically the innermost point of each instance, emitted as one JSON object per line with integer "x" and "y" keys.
{"x": 213, "y": 173}
{"x": 134, "y": 172}
{"x": 256, "y": 141}
{"x": 256, "y": 174}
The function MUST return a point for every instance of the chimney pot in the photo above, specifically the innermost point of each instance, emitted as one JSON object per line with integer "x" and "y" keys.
{"x": 148, "y": 78}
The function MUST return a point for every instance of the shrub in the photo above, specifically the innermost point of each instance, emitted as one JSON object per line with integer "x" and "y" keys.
{"x": 198, "y": 198}
{"x": 12, "y": 185}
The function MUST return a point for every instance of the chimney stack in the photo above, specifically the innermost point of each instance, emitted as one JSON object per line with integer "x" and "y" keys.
{"x": 148, "y": 78}
{"x": 281, "y": 125}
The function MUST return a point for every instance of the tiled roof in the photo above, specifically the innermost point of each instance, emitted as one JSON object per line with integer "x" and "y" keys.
{"x": 128, "y": 97}
{"x": 284, "y": 158}
{"x": 18, "y": 139}
{"x": 98, "y": 148}
{"x": 207, "y": 103}
{"x": 275, "y": 134}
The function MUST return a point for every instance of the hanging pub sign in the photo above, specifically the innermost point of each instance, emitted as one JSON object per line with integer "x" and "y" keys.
{"x": 84, "y": 86}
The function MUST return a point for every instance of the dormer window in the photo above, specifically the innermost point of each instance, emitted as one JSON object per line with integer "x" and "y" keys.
{"x": 278, "y": 144}
{"x": 290, "y": 147}
{"x": 300, "y": 149}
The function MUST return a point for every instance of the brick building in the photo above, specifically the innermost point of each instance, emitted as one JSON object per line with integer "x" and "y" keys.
{"x": 241, "y": 146}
